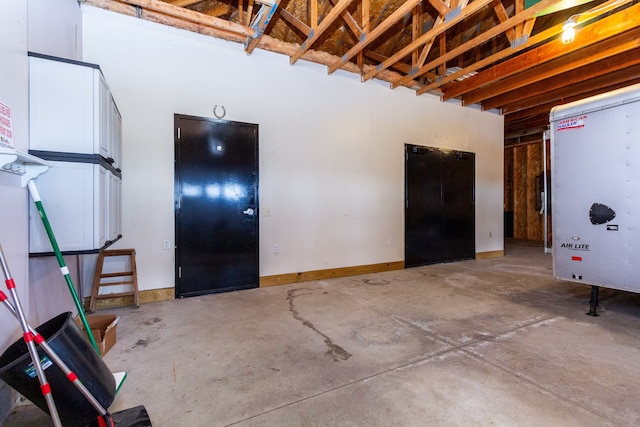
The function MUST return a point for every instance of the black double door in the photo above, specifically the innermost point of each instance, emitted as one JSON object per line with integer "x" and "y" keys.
{"x": 216, "y": 205}
{"x": 439, "y": 205}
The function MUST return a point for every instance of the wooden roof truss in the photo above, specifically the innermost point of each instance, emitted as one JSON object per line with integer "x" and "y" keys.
{"x": 499, "y": 54}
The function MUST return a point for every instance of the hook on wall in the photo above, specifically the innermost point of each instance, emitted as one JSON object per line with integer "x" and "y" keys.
{"x": 219, "y": 116}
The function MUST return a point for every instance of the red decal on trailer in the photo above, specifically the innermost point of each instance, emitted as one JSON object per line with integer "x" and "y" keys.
{"x": 576, "y": 258}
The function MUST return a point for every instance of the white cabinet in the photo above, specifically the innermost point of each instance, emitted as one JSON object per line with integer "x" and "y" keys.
{"x": 75, "y": 124}
{"x": 71, "y": 109}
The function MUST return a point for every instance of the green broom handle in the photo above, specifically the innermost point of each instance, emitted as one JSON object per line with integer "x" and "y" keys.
{"x": 33, "y": 190}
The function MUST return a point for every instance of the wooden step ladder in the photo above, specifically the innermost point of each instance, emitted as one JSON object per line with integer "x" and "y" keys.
{"x": 99, "y": 276}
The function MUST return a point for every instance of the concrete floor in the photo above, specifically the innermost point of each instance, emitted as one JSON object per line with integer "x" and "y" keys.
{"x": 488, "y": 342}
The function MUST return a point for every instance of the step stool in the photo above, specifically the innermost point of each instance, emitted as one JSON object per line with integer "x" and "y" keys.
{"x": 99, "y": 275}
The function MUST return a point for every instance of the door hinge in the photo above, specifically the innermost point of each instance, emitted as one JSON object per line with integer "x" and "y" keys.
{"x": 178, "y": 133}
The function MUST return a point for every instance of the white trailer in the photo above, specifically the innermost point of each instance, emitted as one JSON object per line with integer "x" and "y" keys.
{"x": 595, "y": 191}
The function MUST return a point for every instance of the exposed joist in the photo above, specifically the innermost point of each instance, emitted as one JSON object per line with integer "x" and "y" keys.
{"x": 544, "y": 109}
{"x": 519, "y": 5}
{"x": 416, "y": 31}
{"x": 368, "y": 38}
{"x": 555, "y": 57}
{"x": 183, "y": 3}
{"x": 547, "y": 52}
{"x": 218, "y": 10}
{"x": 294, "y": 22}
{"x": 249, "y": 12}
{"x": 587, "y": 75}
{"x": 595, "y": 76}
{"x": 403, "y": 68}
{"x": 350, "y": 21}
{"x": 428, "y": 38}
{"x": 477, "y": 41}
{"x": 501, "y": 13}
{"x": 495, "y": 58}
{"x": 188, "y": 15}
{"x": 322, "y": 27}
{"x": 512, "y": 125}
{"x": 440, "y": 6}
{"x": 313, "y": 13}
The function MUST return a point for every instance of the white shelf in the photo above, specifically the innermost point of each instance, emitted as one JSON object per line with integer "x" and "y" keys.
{"x": 23, "y": 164}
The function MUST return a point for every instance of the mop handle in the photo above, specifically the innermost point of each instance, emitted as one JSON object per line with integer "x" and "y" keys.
{"x": 28, "y": 339}
{"x": 71, "y": 376}
{"x": 35, "y": 195}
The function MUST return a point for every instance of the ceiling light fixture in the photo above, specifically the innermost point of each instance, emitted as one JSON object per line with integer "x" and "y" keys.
{"x": 569, "y": 30}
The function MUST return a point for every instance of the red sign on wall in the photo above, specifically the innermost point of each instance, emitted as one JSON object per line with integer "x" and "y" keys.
{"x": 6, "y": 129}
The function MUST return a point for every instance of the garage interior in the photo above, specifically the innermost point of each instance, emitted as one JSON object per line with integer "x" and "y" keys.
{"x": 478, "y": 342}
{"x": 349, "y": 336}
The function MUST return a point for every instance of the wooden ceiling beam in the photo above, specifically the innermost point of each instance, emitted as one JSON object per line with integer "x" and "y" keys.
{"x": 502, "y": 15}
{"x": 172, "y": 11}
{"x": 576, "y": 94}
{"x": 416, "y": 31}
{"x": 164, "y": 19}
{"x": 403, "y": 68}
{"x": 500, "y": 93}
{"x": 320, "y": 29}
{"x": 606, "y": 27}
{"x": 532, "y": 41}
{"x": 368, "y": 38}
{"x": 439, "y": 5}
{"x": 183, "y": 3}
{"x": 539, "y": 121}
{"x": 218, "y": 10}
{"x": 293, "y": 22}
{"x": 477, "y": 41}
{"x": 619, "y": 66}
{"x": 439, "y": 27}
{"x": 249, "y": 12}
{"x": 567, "y": 93}
{"x": 313, "y": 13}
{"x": 350, "y": 21}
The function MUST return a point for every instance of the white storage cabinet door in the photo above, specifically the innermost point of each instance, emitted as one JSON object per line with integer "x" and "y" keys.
{"x": 61, "y": 106}
{"x": 67, "y": 196}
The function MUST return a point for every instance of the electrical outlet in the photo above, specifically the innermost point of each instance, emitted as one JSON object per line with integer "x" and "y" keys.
{"x": 166, "y": 244}
{"x": 390, "y": 241}
{"x": 276, "y": 248}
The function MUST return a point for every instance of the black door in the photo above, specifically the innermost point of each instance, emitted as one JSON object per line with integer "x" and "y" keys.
{"x": 439, "y": 205}
{"x": 216, "y": 205}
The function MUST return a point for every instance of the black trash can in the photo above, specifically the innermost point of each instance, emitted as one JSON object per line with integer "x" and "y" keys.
{"x": 68, "y": 342}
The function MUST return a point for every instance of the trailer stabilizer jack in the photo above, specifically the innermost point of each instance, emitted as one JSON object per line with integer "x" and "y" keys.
{"x": 593, "y": 302}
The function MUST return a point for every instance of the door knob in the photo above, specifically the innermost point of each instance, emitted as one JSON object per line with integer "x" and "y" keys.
{"x": 249, "y": 211}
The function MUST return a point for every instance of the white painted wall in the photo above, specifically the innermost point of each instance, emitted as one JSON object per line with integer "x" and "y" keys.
{"x": 13, "y": 225}
{"x": 331, "y": 147}
{"x": 13, "y": 92}
{"x": 17, "y": 29}
{"x": 55, "y": 28}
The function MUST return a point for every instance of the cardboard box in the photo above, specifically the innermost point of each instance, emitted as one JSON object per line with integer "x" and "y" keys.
{"x": 103, "y": 327}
